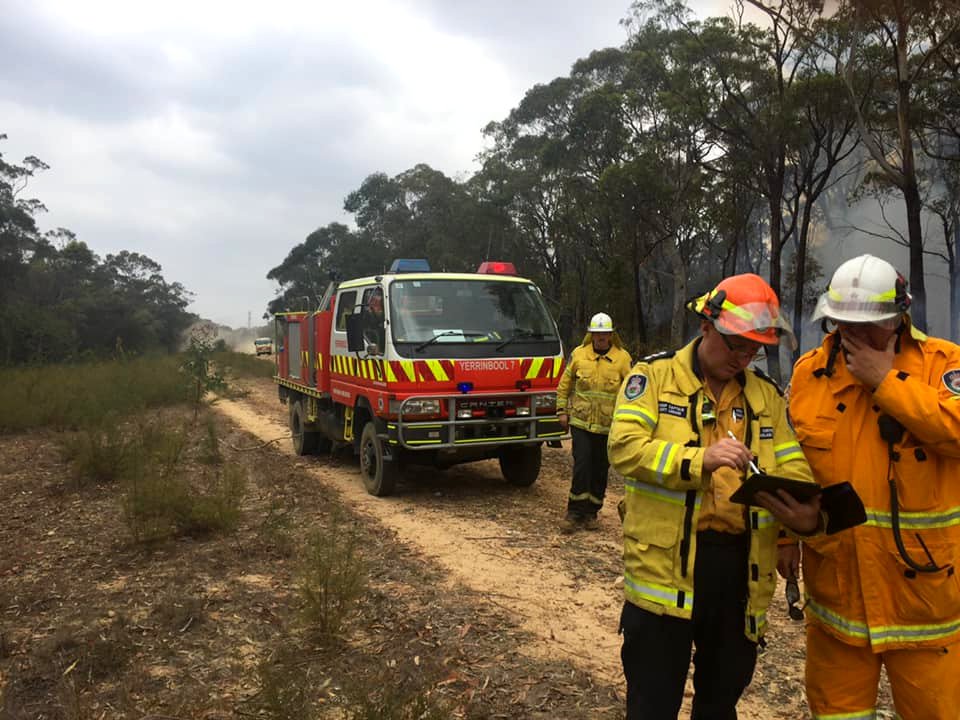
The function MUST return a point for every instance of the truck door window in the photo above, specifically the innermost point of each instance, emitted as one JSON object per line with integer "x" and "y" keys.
{"x": 346, "y": 304}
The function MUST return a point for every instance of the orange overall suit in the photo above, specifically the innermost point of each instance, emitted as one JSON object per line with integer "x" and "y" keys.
{"x": 877, "y": 597}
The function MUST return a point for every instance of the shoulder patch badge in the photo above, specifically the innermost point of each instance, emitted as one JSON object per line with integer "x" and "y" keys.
{"x": 951, "y": 379}
{"x": 636, "y": 386}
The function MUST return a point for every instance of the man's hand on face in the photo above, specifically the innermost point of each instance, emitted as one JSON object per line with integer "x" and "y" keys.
{"x": 866, "y": 364}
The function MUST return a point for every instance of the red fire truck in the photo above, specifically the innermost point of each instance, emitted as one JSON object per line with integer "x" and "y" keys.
{"x": 414, "y": 367}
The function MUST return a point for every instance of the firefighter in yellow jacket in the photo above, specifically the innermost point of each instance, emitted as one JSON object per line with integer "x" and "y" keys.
{"x": 878, "y": 404}
{"x": 699, "y": 569}
{"x": 585, "y": 400}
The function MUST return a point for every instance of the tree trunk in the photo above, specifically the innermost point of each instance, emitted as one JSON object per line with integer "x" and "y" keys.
{"x": 776, "y": 250}
{"x": 638, "y": 294}
{"x": 800, "y": 278}
{"x": 680, "y": 275}
{"x": 918, "y": 308}
{"x": 955, "y": 280}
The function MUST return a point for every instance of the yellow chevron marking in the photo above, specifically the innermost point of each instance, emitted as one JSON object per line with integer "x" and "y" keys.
{"x": 408, "y": 369}
{"x": 319, "y": 361}
{"x": 535, "y": 366}
{"x": 437, "y": 369}
{"x": 557, "y": 363}
{"x": 388, "y": 366}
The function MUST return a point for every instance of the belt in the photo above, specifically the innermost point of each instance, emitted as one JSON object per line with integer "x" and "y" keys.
{"x": 715, "y": 537}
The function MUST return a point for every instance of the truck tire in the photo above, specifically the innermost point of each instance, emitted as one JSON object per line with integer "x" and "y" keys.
{"x": 520, "y": 464}
{"x": 304, "y": 440}
{"x": 379, "y": 474}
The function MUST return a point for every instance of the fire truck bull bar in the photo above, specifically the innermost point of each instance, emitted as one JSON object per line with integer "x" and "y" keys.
{"x": 451, "y": 431}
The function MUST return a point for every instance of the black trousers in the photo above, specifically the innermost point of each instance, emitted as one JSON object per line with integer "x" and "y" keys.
{"x": 590, "y": 466}
{"x": 656, "y": 648}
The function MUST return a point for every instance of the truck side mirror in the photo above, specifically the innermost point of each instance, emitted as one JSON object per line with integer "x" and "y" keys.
{"x": 355, "y": 341}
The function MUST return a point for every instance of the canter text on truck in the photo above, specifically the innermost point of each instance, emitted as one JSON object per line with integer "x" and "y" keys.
{"x": 414, "y": 367}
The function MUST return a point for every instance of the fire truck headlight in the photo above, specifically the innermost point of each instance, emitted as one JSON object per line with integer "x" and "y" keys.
{"x": 423, "y": 406}
{"x": 546, "y": 402}
{"x": 464, "y": 413}
{"x": 523, "y": 411}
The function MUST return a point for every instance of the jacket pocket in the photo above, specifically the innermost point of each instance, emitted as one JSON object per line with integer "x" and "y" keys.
{"x": 821, "y": 570}
{"x": 817, "y": 447}
{"x": 653, "y": 525}
{"x": 914, "y": 598}
{"x": 918, "y": 482}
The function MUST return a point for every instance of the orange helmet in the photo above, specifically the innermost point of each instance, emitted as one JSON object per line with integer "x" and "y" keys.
{"x": 744, "y": 305}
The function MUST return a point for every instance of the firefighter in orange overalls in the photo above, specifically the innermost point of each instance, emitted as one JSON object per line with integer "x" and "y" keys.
{"x": 878, "y": 404}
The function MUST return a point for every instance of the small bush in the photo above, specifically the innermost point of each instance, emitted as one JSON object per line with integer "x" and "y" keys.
{"x": 210, "y": 448}
{"x": 333, "y": 578}
{"x": 87, "y": 395}
{"x": 400, "y": 700}
{"x": 276, "y": 532}
{"x": 197, "y": 368}
{"x": 240, "y": 365}
{"x": 96, "y": 456}
{"x": 159, "y": 505}
{"x": 286, "y": 687}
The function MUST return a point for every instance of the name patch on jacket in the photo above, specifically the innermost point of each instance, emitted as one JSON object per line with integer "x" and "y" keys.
{"x": 635, "y": 387}
{"x": 666, "y": 408}
{"x": 738, "y": 414}
{"x": 951, "y": 379}
{"x": 766, "y": 433}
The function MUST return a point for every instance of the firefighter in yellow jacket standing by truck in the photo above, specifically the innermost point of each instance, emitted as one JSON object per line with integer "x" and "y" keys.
{"x": 878, "y": 404}
{"x": 699, "y": 569}
{"x": 585, "y": 400}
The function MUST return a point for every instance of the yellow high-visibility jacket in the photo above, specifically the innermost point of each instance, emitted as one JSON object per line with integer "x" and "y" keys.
{"x": 588, "y": 388}
{"x": 655, "y": 444}
{"x": 860, "y": 589}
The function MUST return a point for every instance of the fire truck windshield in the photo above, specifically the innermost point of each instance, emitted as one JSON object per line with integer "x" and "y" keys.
{"x": 475, "y": 316}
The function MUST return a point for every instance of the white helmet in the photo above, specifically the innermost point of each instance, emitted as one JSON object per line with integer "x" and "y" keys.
{"x": 600, "y": 322}
{"x": 864, "y": 289}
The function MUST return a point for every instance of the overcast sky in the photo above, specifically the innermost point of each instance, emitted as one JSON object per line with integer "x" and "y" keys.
{"x": 214, "y": 135}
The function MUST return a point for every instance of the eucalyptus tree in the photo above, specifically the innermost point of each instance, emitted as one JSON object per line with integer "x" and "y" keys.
{"x": 657, "y": 187}
{"x": 768, "y": 105}
{"x": 550, "y": 176}
{"x": 328, "y": 252}
{"x": 888, "y": 48}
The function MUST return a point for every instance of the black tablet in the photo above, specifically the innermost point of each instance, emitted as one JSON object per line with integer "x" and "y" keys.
{"x": 746, "y": 493}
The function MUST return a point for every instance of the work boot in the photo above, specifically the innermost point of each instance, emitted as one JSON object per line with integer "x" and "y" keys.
{"x": 591, "y": 523}
{"x": 570, "y": 523}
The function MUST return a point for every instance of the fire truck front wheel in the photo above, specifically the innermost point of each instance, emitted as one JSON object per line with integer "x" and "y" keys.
{"x": 520, "y": 464}
{"x": 379, "y": 474}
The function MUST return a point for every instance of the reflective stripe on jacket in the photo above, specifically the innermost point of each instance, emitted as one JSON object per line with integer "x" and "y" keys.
{"x": 655, "y": 444}
{"x": 860, "y": 588}
{"x": 589, "y": 385}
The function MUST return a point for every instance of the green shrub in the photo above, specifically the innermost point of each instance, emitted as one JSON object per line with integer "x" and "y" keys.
{"x": 96, "y": 456}
{"x": 197, "y": 368}
{"x": 161, "y": 504}
{"x": 286, "y": 687}
{"x": 275, "y": 533}
{"x": 240, "y": 365}
{"x": 394, "y": 702}
{"x": 88, "y": 395}
{"x": 210, "y": 447}
{"x": 333, "y": 577}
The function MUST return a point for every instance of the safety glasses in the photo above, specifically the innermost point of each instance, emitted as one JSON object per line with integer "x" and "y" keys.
{"x": 744, "y": 348}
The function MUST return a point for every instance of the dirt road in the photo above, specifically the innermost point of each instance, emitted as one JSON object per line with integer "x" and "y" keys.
{"x": 503, "y": 543}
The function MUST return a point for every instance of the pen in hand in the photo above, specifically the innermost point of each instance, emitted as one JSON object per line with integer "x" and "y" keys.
{"x": 753, "y": 468}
